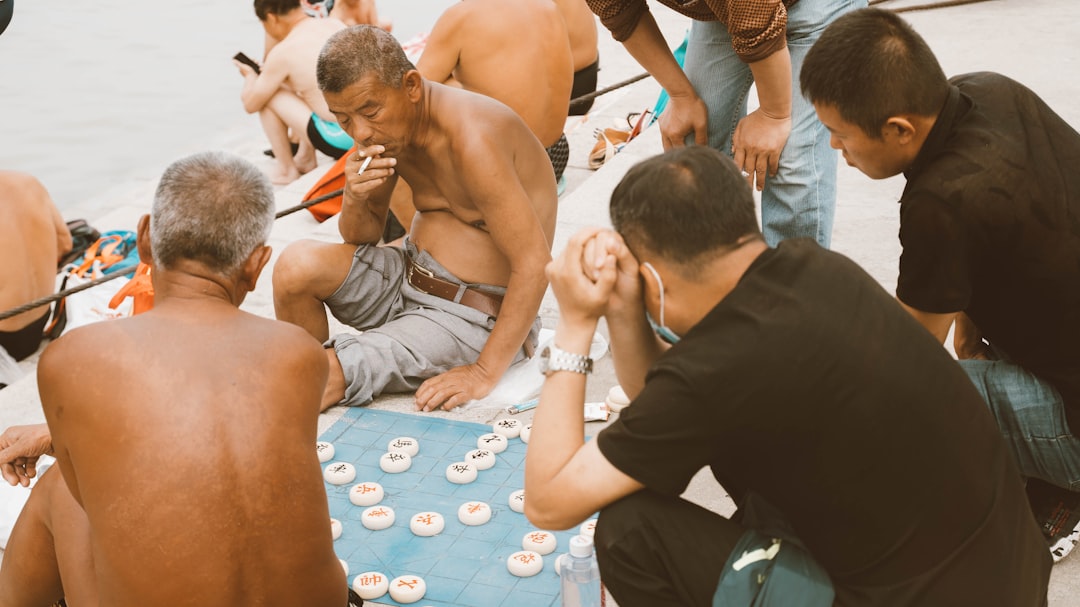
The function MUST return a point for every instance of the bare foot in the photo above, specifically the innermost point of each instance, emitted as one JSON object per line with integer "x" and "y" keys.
{"x": 284, "y": 176}
{"x": 304, "y": 159}
{"x": 305, "y": 165}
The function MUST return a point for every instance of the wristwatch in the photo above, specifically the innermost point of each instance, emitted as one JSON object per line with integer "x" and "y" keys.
{"x": 553, "y": 359}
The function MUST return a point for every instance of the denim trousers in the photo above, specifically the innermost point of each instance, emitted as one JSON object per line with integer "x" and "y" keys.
{"x": 1031, "y": 416}
{"x": 800, "y": 200}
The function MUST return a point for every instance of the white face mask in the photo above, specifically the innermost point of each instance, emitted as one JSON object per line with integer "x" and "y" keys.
{"x": 661, "y": 330}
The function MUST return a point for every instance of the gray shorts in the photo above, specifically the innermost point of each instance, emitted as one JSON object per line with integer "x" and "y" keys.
{"x": 407, "y": 335}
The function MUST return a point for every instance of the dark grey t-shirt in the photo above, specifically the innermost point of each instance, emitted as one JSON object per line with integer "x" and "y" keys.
{"x": 990, "y": 225}
{"x": 809, "y": 385}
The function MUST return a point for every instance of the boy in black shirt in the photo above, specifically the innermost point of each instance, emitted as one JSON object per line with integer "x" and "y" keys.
{"x": 990, "y": 228}
{"x": 861, "y": 453}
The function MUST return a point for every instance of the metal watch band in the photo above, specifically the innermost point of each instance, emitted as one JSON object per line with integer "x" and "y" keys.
{"x": 561, "y": 360}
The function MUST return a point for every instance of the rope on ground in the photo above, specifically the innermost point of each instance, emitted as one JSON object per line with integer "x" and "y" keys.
{"x": 37, "y": 303}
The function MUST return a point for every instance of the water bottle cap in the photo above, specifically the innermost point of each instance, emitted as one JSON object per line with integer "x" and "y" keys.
{"x": 581, "y": 546}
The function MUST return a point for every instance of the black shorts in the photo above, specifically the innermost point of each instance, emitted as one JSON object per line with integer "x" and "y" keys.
{"x": 24, "y": 342}
{"x": 584, "y": 83}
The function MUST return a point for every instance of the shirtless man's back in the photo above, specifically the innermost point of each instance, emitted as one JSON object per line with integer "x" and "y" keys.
{"x": 33, "y": 236}
{"x": 516, "y": 51}
{"x": 187, "y": 433}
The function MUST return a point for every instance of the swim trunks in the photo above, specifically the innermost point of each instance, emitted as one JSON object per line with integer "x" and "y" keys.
{"x": 559, "y": 153}
{"x": 408, "y": 335}
{"x": 328, "y": 138}
{"x": 24, "y": 342}
{"x": 584, "y": 83}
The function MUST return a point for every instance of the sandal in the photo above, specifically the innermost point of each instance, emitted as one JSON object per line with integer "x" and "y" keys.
{"x": 608, "y": 143}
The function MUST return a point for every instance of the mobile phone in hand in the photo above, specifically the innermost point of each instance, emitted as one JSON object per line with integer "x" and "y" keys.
{"x": 242, "y": 58}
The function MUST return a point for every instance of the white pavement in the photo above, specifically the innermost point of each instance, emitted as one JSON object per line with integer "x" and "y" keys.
{"x": 1032, "y": 41}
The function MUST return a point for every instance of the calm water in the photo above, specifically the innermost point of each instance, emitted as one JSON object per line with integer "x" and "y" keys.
{"x": 96, "y": 93}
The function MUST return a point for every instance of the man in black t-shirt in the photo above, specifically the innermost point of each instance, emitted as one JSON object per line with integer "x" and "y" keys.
{"x": 859, "y": 452}
{"x": 990, "y": 228}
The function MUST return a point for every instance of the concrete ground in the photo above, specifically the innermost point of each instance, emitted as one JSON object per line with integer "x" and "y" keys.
{"x": 1029, "y": 40}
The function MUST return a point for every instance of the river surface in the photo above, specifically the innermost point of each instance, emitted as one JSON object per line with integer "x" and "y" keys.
{"x": 95, "y": 93}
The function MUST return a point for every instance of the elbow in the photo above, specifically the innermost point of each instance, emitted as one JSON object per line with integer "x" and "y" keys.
{"x": 546, "y": 517}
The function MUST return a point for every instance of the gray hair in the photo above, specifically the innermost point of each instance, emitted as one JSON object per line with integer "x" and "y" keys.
{"x": 353, "y": 53}
{"x": 213, "y": 208}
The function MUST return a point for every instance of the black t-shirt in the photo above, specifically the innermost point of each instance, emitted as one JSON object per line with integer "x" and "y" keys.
{"x": 810, "y": 386}
{"x": 990, "y": 225}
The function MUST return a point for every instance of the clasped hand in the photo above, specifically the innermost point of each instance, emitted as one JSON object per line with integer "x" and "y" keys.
{"x": 595, "y": 275}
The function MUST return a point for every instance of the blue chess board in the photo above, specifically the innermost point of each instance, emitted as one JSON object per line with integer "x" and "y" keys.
{"x": 463, "y": 566}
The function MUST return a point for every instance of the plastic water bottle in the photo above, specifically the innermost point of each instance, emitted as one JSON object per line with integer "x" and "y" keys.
{"x": 580, "y": 575}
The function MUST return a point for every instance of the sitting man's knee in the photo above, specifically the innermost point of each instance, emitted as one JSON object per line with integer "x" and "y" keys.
{"x": 298, "y": 263}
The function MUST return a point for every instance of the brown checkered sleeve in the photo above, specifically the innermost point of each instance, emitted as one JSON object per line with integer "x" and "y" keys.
{"x": 758, "y": 28}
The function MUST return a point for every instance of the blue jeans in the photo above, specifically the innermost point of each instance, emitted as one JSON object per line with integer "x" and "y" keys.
{"x": 801, "y": 199}
{"x": 1031, "y": 416}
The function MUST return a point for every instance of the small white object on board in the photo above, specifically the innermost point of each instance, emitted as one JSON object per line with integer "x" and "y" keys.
{"x": 461, "y": 473}
{"x": 517, "y": 500}
{"x": 335, "y": 528}
{"x": 427, "y": 524}
{"x": 510, "y": 428}
{"x": 540, "y": 542}
{"x": 378, "y": 518}
{"x": 325, "y": 451}
{"x": 483, "y": 459}
{"x": 407, "y": 588}
{"x": 474, "y": 513}
{"x": 366, "y": 494}
{"x": 339, "y": 473}
{"x": 525, "y": 563}
{"x": 496, "y": 443}
{"x": 526, "y": 433}
{"x": 393, "y": 462}
{"x": 405, "y": 444}
{"x": 370, "y": 585}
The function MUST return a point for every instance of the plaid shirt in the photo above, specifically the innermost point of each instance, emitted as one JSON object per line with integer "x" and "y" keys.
{"x": 758, "y": 28}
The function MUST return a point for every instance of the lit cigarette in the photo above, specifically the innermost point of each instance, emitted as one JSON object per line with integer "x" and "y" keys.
{"x": 363, "y": 165}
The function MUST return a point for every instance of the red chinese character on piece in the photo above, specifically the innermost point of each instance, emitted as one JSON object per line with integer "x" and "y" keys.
{"x": 379, "y": 512}
{"x": 537, "y": 536}
{"x": 424, "y": 518}
{"x": 369, "y": 580}
{"x": 407, "y": 583}
{"x": 526, "y": 558}
{"x": 474, "y": 508}
{"x": 366, "y": 488}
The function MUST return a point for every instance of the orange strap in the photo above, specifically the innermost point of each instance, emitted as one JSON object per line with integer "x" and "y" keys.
{"x": 140, "y": 288}
{"x": 103, "y": 250}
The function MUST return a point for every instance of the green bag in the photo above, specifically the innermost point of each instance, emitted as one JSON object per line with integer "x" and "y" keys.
{"x": 769, "y": 567}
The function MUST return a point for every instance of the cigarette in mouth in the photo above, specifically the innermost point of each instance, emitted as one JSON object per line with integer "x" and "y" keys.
{"x": 363, "y": 165}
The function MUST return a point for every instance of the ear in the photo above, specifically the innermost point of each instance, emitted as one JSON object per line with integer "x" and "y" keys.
{"x": 413, "y": 83}
{"x": 253, "y": 267}
{"x": 142, "y": 241}
{"x": 898, "y": 129}
{"x": 650, "y": 287}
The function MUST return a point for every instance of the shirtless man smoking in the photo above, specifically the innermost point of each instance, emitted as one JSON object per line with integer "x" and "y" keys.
{"x": 166, "y": 445}
{"x": 447, "y": 313}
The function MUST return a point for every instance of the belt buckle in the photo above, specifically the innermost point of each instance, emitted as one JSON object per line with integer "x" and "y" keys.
{"x": 415, "y": 267}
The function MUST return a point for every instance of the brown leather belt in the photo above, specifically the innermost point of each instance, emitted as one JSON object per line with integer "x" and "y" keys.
{"x": 422, "y": 278}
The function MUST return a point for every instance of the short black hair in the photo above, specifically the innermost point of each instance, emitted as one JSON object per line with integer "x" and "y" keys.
{"x": 685, "y": 205}
{"x": 871, "y": 65}
{"x": 263, "y": 8}
{"x": 357, "y": 51}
